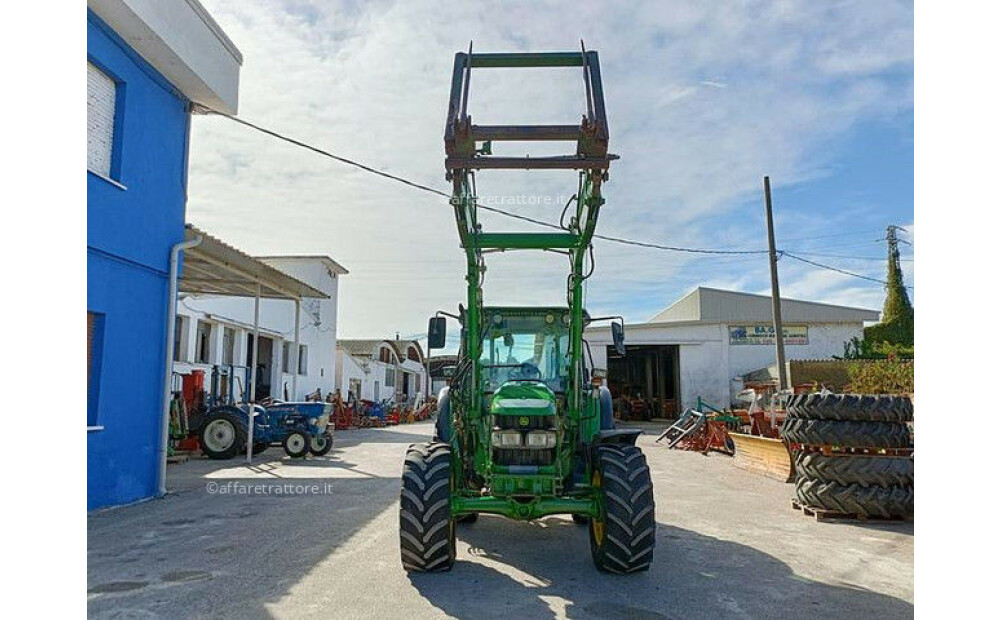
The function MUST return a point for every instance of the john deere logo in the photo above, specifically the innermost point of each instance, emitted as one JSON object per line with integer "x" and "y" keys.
{"x": 523, "y": 420}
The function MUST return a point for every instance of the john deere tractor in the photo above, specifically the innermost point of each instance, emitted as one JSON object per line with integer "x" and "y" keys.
{"x": 525, "y": 427}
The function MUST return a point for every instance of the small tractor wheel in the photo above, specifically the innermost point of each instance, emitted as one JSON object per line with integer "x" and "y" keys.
{"x": 296, "y": 444}
{"x": 321, "y": 444}
{"x": 426, "y": 527}
{"x": 471, "y": 517}
{"x": 623, "y": 536}
{"x": 222, "y": 434}
{"x": 581, "y": 519}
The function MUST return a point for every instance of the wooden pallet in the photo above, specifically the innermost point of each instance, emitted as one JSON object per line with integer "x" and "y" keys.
{"x": 822, "y": 514}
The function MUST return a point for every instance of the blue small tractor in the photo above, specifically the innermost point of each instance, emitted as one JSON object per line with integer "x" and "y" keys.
{"x": 301, "y": 428}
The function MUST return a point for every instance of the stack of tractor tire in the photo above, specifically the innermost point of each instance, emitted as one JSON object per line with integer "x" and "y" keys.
{"x": 854, "y": 453}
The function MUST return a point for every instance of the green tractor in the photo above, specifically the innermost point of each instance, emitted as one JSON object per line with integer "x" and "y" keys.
{"x": 525, "y": 427}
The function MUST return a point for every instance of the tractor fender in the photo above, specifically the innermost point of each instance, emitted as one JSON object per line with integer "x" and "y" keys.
{"x": 240, "y": 414}
{"x": 623, "y": 436}
{"x": 442, "y": 426}
{"x": 607, "y": 411}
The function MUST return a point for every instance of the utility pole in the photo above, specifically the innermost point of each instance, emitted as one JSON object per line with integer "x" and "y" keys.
{"x": 779, "y": 333}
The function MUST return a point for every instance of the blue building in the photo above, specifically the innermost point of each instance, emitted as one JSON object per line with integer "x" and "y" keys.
{"x": 148, "y": 61}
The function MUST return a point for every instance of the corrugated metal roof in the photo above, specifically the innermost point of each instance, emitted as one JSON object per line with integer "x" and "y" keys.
{"x": 710, "y": 305}
{"x": 361, "y": 347}
{"x": 213, "y": 267}
{"x": 333, "y": 265}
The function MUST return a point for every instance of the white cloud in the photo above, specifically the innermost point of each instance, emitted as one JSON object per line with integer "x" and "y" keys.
{"x": 370, "y": 81}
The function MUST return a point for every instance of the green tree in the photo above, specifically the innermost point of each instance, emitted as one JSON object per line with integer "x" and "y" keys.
{"x": 896, "y": 327}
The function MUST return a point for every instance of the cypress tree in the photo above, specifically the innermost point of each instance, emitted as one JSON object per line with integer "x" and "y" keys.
{"x": 896, "y": 327}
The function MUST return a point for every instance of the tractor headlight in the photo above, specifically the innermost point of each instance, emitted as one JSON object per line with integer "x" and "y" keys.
{"x": 541, "y": 439}
{"x": 506, "y": 439}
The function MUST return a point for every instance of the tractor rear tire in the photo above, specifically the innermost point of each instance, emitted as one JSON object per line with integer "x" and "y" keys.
{"x": 296, "y": 444}
{"x": 851, "y": 407}
{"x": 854, "y": 499}
{"x": 623, "y": 536}
{"x": 848, "y": 434}
{"x": 321, "y": 445}
{"x": 426, "y": 527}
{"x": 867, "y": 471}
{"x": 222, "y": 434}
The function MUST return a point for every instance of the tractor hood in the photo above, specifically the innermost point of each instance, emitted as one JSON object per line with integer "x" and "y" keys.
{"x": 523, "y": 398}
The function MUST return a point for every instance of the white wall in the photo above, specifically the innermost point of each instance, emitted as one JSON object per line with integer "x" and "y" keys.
{"x": 351, "y": 368}
{"x": 317, "y": 329}
{"x": 707, "y": 361}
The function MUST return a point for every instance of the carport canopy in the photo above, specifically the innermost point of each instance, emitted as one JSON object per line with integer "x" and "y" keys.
{"x": 214, "y": 267}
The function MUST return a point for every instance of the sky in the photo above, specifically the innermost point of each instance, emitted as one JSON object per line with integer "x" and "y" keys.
{"x": 703, "y": 100}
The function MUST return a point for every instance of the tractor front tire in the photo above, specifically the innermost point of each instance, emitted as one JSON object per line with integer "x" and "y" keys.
{"x": 426, "y": 527}
{"x": 623, "y": 535}
{"x": 321, "y": 444}
{"x": 296, "y": 444}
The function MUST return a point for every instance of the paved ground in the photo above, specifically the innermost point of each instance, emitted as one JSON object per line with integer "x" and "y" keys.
{"x": 728, "y": 545}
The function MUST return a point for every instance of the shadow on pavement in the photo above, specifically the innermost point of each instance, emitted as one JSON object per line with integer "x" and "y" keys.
{"x": 543, "y": 570}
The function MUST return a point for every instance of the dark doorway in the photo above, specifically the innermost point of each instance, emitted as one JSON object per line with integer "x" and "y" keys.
{"x": 645, "y": 382}
{"x": 264, "y": 364}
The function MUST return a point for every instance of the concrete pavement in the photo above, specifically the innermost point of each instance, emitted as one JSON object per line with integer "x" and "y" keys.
{"x": 318, "y": 538}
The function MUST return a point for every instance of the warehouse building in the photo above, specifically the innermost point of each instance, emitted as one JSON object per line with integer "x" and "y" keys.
{"x": 704, "y": 343}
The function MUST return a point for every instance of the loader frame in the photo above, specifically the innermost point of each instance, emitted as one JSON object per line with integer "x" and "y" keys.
{"x": 472, "y": 466}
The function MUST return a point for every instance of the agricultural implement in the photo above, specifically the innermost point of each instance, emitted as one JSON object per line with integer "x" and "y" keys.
{"x": 525, "y": 428}
{"x": 761, "y": 449}
{"x": 300, "y": 428}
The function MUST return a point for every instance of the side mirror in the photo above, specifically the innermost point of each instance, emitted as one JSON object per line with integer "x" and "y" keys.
{"x": 618, "y": 337}
{"x": 437, "y": 330}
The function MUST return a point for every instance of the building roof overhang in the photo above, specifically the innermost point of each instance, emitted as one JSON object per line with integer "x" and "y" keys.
{"x": 182, "y": 41}
{"x": 214, "y": 267}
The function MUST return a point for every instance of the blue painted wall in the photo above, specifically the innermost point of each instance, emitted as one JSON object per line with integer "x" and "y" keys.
{"x": 130, "y": 229}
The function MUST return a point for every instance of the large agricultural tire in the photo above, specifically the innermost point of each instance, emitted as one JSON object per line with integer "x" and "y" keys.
{"x": 623, "y": 536}
{"x": 426, "y": 527}
{"x": 850, "y": 407}
{"x": 847, "y": 434}
{"x": 222, "y": 434}
{"x": 855, "y": 499}
{"x": 867, "y": 471}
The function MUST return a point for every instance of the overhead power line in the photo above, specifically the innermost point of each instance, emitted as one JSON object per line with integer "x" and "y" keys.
{"x": 838, "y": 270}
{"x": 415, "y": 185}
{"x": 620, "y": 240}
